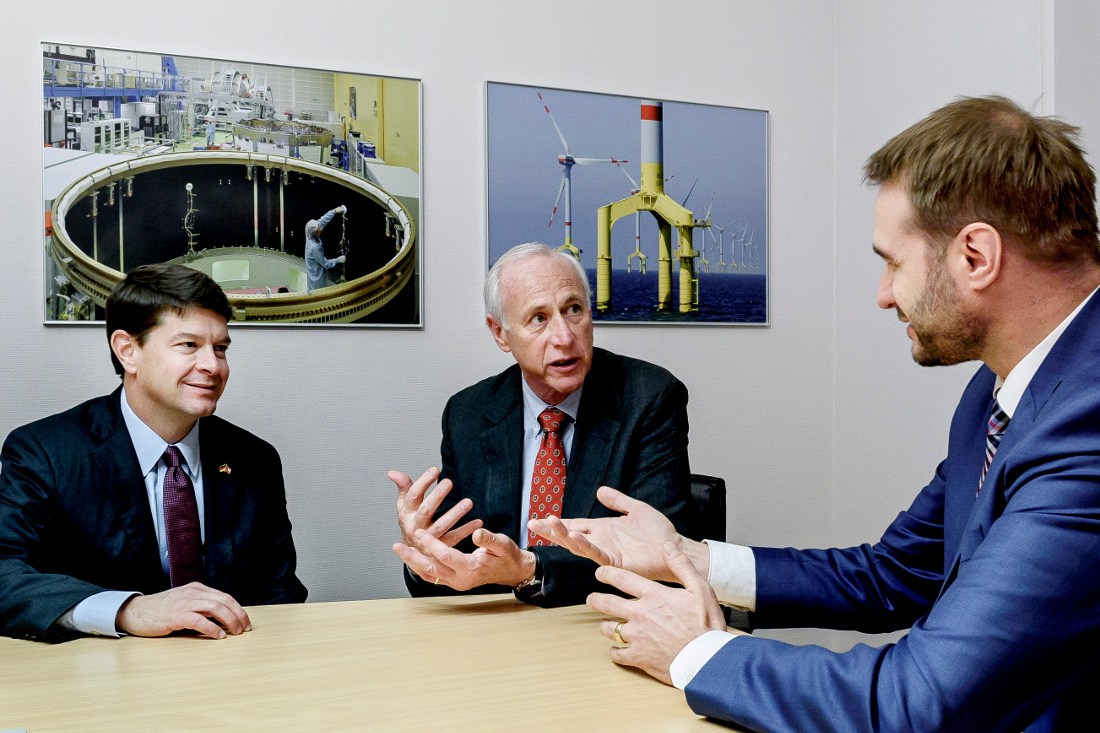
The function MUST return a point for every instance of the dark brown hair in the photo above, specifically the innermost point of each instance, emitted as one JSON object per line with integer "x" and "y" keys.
{"x": 138, "y": 302}
{"x": 986, "y": 159}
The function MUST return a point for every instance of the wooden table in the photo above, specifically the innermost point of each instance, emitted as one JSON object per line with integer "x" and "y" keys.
{"x": 476, "y": 663}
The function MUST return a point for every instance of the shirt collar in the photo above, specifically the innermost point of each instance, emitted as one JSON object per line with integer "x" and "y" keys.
{"x": 1010, "y": 390}
{"x": 150, "y": 447}
{"x": 533, "y": 405}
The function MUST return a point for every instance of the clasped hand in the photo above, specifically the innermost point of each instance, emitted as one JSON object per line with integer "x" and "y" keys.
{"x": 427, "y": 544}
{"x": 193, "y": 606}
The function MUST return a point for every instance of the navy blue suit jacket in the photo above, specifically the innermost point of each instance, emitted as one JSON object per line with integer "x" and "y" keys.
{"x": 75, "y": 518}
{"x": 1001, "y": 592}
{"x": 631, "y": 433}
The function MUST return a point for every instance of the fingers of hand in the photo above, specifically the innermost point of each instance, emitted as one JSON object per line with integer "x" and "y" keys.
{"x": 401, "y": 481}
{"x": 627, "y": 581}
{"x": 432, "y": 501}
{"x": 610, "y": 605}
{"x": 442, "y": 556}
{"x": 441, "y": 526}
{"x": 616, "y": 500}
{"x": 422, "y": 565}
{"x": 200, "y": 623}
{"x": 579, "y": 544}
{"x": 608, "y": 628}
{"x": 415, "y": 492}
{"x": 685, "y": 572}
{"x": 494, "y": 542}
{"x": 455, "y": 536}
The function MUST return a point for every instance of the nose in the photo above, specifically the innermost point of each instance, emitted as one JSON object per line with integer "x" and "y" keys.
{"x": 560, "y": 332}
{"x": 207, "y": 362}
{"x": 885, "y": 297}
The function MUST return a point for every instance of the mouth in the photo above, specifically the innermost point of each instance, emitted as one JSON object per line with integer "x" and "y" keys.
{"x": 565, "y": 363}
{"x": 204, "y": 387}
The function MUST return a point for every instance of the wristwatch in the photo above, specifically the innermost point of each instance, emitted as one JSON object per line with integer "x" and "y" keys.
{"x": 533, "y": 585}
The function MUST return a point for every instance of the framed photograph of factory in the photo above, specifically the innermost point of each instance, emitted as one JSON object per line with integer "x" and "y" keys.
{"x": 297, "y": 190}
{"x": 664, "y": 203}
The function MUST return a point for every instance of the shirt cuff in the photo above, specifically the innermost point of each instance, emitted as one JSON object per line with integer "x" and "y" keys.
{"x": 96, "y": 614}
{"x": 732, "y": 574}
{"x": 695, "y": 655}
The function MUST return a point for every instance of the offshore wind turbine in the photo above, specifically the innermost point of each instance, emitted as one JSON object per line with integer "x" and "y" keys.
{"x": 634, "y": 189}
{"x": 568, "y": 160}
{"x": 703, "y": 263}
{"x": 734, "y": 248}
{"x": 721, "y": 257}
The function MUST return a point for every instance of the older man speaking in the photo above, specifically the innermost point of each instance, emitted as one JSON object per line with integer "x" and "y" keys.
{"x": 537, "y": 440}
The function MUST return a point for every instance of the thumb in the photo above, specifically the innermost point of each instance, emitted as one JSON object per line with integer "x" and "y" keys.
{"x": 681, "y": 567}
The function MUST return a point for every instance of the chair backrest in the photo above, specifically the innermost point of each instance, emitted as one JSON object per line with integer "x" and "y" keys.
{"x": 709, "y": 495}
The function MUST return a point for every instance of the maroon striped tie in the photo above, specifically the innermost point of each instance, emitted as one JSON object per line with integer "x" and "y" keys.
{"x": 181, "y": 522}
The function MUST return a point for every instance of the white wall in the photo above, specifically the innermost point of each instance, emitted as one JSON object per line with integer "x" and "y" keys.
{"x": 832, "y": 429}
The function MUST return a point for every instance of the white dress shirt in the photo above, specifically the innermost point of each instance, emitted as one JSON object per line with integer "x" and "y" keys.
{"x": 733, "y": 567}
{"x": 96, "y": 614}
{"x": 532, "y": 441}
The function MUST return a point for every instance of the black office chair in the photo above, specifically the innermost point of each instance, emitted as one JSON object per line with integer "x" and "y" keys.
{"x": 709, "y": 495}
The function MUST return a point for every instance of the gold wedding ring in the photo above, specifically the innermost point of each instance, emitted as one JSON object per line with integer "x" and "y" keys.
{"x": 618, "y": 632}
{"x": 436, "y": 582}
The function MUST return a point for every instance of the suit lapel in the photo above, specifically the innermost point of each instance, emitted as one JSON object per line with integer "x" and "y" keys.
{"x": 221, "y": 495}
{"x": 502, "y": 447}
{"x": 593, "y": 440}
{"x": 120, "y": 475}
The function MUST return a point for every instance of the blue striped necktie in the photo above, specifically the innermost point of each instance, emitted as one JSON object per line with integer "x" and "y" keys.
{"x": 995, "y": 430}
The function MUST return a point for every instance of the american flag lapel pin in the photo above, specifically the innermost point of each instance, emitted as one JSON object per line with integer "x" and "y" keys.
{"x": 224, "y": 468}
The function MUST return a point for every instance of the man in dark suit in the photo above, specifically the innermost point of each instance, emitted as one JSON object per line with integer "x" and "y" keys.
{"x": 537, "y": 440}
{"x": 140, "y": 512}
{"x": 987, "y": 225}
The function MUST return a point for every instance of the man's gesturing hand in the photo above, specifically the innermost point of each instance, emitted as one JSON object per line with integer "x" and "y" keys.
{"x": 193, "y": 606}
{"x": 415, "y": 511}
{"x": 497, "y": 559}
{"x": 633, "y": 541}
{"x": 663, "y": 620}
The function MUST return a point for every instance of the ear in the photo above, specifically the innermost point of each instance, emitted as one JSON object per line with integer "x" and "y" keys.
{"x": 497, "y": 329}
{"x": 981, "y": 255}
{"x": 126, "y": 350}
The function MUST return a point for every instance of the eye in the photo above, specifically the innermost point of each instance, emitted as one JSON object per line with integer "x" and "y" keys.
{"x": 221, "y": 348}
{"x": 538, "y": 318}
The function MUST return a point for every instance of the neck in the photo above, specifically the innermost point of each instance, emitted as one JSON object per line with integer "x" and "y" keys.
{"x": 172, "y": 429}
{"x": 1035, "y": 303}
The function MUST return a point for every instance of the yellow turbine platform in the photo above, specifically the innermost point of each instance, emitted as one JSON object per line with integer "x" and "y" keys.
{"x": 669, "y": 214}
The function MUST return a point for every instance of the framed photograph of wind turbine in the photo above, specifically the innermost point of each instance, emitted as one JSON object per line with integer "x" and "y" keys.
{"x": 664, "y": 203}
{"x": 297, "y": 190}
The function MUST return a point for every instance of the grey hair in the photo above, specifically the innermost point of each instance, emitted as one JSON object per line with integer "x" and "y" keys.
{"x": 494, "y": 303}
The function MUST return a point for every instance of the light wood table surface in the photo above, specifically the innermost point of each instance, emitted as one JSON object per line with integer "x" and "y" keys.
{"x": 474, "y": 663}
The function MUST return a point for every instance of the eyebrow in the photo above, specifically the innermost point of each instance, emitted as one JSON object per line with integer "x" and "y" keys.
{"x": 195, "y": 337}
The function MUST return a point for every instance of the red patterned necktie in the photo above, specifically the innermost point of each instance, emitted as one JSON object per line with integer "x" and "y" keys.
{"x": 181, "y": 522}
{"x": 548, "y": 480}
{"x": 994, "y": 431}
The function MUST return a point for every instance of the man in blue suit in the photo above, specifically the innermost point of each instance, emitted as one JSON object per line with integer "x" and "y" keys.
{"x": 986, "y": 222}
{"x": 140, "y": 512}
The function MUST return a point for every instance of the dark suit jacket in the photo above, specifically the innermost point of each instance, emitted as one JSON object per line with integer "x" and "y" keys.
{"x": 1002, "y": 591}
{"x": 631, "y": 434}
{"x": 75, "y": 518}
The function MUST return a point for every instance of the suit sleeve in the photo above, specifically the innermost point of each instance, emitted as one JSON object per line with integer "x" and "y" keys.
{"x": 275, "y": 555}
{"x": 1014, "y": 629}
{"x": 870, "y": 588}
{"x": 655, "y": 470}
{"x": 31, "y": 600}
